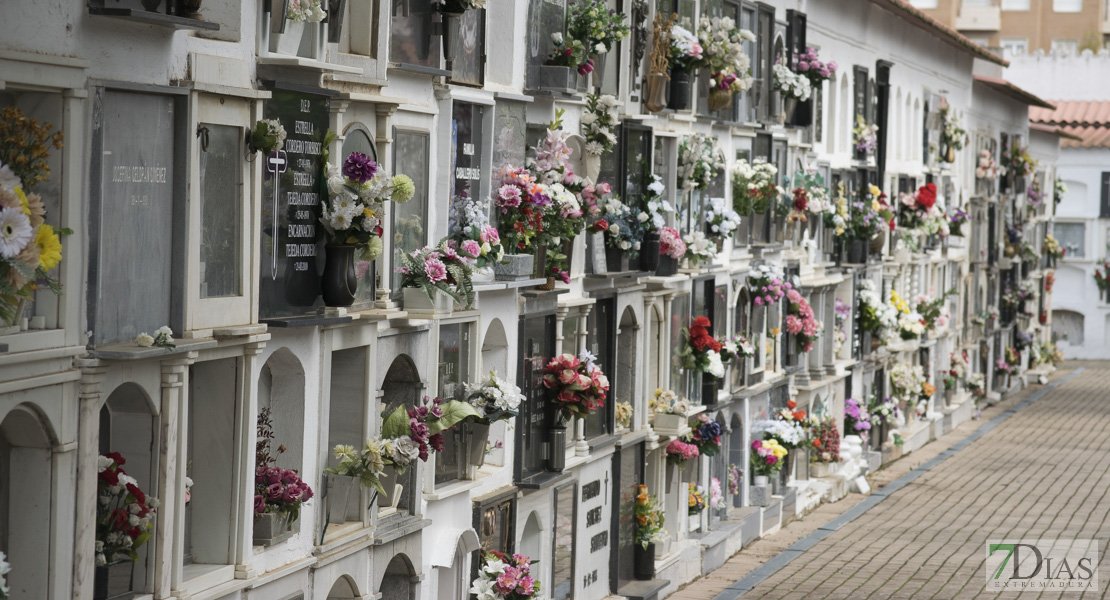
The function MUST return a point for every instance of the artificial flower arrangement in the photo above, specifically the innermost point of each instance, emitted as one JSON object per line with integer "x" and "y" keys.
{"x": 857, "y": 421}
{"x": 871, "y": 308}
{"x": 649, "y": 518}
{"x": 1052, "y": 248}
{"x": 1102, "y": 275}
{"x": 1014, "y": 297}
{"x": 623, "y": 226}
{"x": 986, "y": 167}
{"x": 124, "y": 514}
{"x": 1049, "y": 281}
{"x": 563, "y": 216}
{"x": 679, "y": 452}
{"x": 495, "y": 399}
{"x": 656, "y": 206}
{"x": 1004, "y": 367}
{"x": 800, "y": 321}
{"x": 956, "y": 220}
{"x": 504, "y": 577}
{"x": 162, "y": 338}
{"x": 810, "y": 196}
{"x": 267, "y": 136}
{"x": 1033, "y": 195}
{"x": 671, "y": 243}
{"x": 864, "y": 221}
{"x": 473, "y": 234}
{"x": 826, "y": 441}
{"x": 699, "y": 248}
{"x": 696, "y": 502}
{"x": 911, "y": 325}
{"x": 722, "y": 86}
{"x": 599, "y": 121}
{"x": 686, "y": 51}
{"x": 305, "y": 11}
{"x": 841, "y": 312}
{"x": 766, "y": 285}
{"x": 767, "y": 457}
{"x": 357, "y": 194}
{"x": 575, "y": 384}
{"x": 808, "y": 64}
{"x": 716, "y": 497}
{"x": 920, "y": 216}
{"x": 1059, "y": 190}
{"x": 721, "y": 219}
{"x": 522, "y": 202}
{"x": 754, "y": 187}
{"x": 736, "y": 347}
{"x": 724, "y": 56}
{"x": 699, "y": 161}
{"x": 592, "y": 30}
{"x": 932, "y": 310}
{"x": 838, "y": 216}
{"x": 990, "y": 314}
{"x": 706, "y": 436}
{"x": 29, "y": 248}
{"x": 977, "y": 385}
{"x": 865, "y": 136}
{"x": 885, "y": 412}
{"x": 701, "y": 352}
{"x": 1018, "y": 161}
{"x": 790, "y": 84}
{"x": 456, "y": 7}
{"x": 957, "y": 369}
{"x": 445, "y": 268}
{"x": 787, "y": 426}
{"x": 951, "y": 134}
{"x": 907, "y": 382}
{"x": 666, "y": 402}
{"x": 276, "y": 490}
{"x": 1022, "y": 340}
{"x": 622, "y": 413}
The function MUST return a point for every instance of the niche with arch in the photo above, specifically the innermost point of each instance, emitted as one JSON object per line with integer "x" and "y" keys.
{"x": 281, "y": 389}
{"x": 26, "y": 471}
{"x": 359, "y": 139}
{"x": 495, "y": 357}
{"x": 402, "y": 387}
{"x": 399, "y": 581}
{"x": 343, "y": 588}
{"x": 627, "y": 350}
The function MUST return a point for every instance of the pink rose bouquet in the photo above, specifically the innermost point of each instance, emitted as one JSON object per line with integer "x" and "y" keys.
{"x": 678, "y": 452}
{"x": 576, "y": 385}
{"x": 670, "y": 243}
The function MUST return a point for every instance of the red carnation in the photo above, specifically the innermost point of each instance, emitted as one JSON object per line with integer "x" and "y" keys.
{"x": 702, "y": 322}
{"x": 115, "y": 456}
{"x": 137, "y": 493}
{"x": 927, "y": 195}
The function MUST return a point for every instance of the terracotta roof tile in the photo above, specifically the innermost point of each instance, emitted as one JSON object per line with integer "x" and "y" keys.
{"x": 1074, "y": 112}
{"x": 1089, "y": 137}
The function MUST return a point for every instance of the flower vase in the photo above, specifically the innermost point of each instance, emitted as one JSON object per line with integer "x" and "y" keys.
{"x": 450, "y": 24}
{"x": 709, "y": 386}
{"x": 655, "y": 99}
{"x": 417, "y": 301}
{"x": 667, "y": 266}
{"x": 680, "y": 90}
{"x": 789, "y": 107}
{"x": 593, "y": 166}
{"x": 597, "y": 76}
{"x": 477, "y": 435}
{"x": 719, "y": 99}
{"x": 649, "y": 252}
{"x": 339, "y": 496}
{"x": 483, "y": 275}
{"x": 668, "y": 423}
{"x": 113, "y": 580}
{"x": 643, "y": 561}
{"x": 291, "y": 40}
{"x": 857, "y": 252}
{"x": 339, "y": 282}
{"x": 515, "y": 267}
{"x": 388, "y": 481}
{"x": 271, "y": 528}
{"x": 875, "y": 246}
{"x": 557, "y": 443}
{"x": 950, "y": 155}
{"x": 616, "y": 260}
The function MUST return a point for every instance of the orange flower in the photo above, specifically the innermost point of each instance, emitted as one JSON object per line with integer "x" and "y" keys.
{"x": 816, "y": 443}
{"x": 641, "y": 519}
{"x": 642, "y": 498}
{"x": 799, "y": 415}
{"x": 791, "y": 404}
{"x": 930, "y": 389}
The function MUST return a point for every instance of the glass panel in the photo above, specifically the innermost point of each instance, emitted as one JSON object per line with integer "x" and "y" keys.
{"x": 599, "y": 341}
{"x": 570, "y": 336}
{"x": 411, "y": 37}
{"x": 1070, "y": 236}
{"x": 536, "y": 350}
{"x": 680, "y": 316}
{"x": 454, "y": 372}
{"x": 631, "y": 476}
{"x": 411, "y": 159}
{"x": 221, "y": 186}
{"x": 637, "y": 165}
{"x": 358, "y": 140}
{"x": 509, "y": 129}
{"x": 466, "y": 157}
{"x": 468, "y": 64}
{"x": 562, "y": 569}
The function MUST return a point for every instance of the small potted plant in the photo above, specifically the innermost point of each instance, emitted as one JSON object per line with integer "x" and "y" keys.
{"x": 278, "y": 493}
{"x": 431, "y": 276}
{"x": 649, "y": 531}
{"x": 124, "y": 522}
{"x": 291, "y": 39}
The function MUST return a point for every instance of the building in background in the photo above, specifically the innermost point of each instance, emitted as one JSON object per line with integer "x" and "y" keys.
{"x": 1026, "y": 25}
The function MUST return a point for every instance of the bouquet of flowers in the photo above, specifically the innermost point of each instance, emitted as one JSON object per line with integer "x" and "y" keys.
{"x": 454, "y": 7}
{"x": 956, "y": 221}
{"x": 907, "y": 381}
{"x": 789, "y": 433}
{"x": 563, "y": 218}
{"x": 1052, "y": 247}
{"x": 932, "y": 310}
{"x": 473, "y": 233}
{"x": 986, "y": 167}
{"x": 800, "y": 321}
{"x": 725, "y": 82}
{"x": 791, "y": 84}
{"x": 686, "y": 51}
{"x": 699, "y": 161}
{"x": 658, "y": 208}
{"x": 440, "y": 268}
{"x": 838, "y": 215}
{"x": 124, "y": 514}
{"x": 865, "y": 222}
{"x": 592, "y": 29}
{"x": 957, "y": 369}
{"x": 697, "y": 500}
{"x": 1019, "y": 162}
{"x": 495, "y": 399}
{"x": 952, "y": 135}
{"x": 721, "y": 219}
{"x": 671, "y": 243}
{"x": 914, "y": 209}
{"x": 816, "y": 197}
{"x": 679, "y": 452}
{"x": 1022, "y": 340}
{"x": 622, "y": 413}
{"x": 810, "y": 66}
{"x": 276, "y": 490}
{"x": 699, "y": 248}
{"x": 841, "y": 312}
{"x": 724, "y": 52}
{"x": 599, "y": 121}
{"x": 1013, "y": 356}
{"x": 1003, "y": 367}
{"x": 522, "y": 202}
{"x": 357, "y": 194}
{"x": 623, "y": 226}
{"x": 649, "y": 518}
{"x": 911, "y": 326}
{"x": 826, "y": 441}
{"x": 977, "y": 384}
{"x": 701, "y": 351}
{"x": 856, "y": 418}
{"x": 753, "y": 187}
{"x": 767, "y": 457}
{"x": 766, "y": 285}
{"x": 1049, "y": 281}
{"x": 706, "y": 436}
{"x": 1014, "y": 296}
{"x": 29, "y": 248}
{"x": 412, "y": 433}
{"x": 1033, "y": 195}
{"x": 267, "y": 136}
{"x": 503, "y": 577}
{"x": 1102, "y": 275}
{"x": 1059, "y": 190}
{"x": 886, "y": 412}
{"x": 865, "y": 136}
{"x": 666, "y": 402}
{"x": 871, "y": 308}
{"x": 576, "y": 385}
{"x": 305, "y": 11}
{"x": 736, "y": 347}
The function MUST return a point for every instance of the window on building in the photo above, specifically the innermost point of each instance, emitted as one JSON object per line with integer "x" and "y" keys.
{"x": 411, "y": 39}
{"x": 1104, "y": 195}
{"x": 454, "y": 372}
{"x": 1067, "y": 6}
{"x": 1008, "y": 4}
{"x": 601, "y": 331}
{"x": 410, "y": 158}
{"x": 1073, "y": 237}
{"x": 1015, "y": 45}
{"x": 468, "y": 64}
{"x": 1065, "y": 46}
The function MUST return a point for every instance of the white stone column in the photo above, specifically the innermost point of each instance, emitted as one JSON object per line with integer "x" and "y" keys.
{"x": 88, "y": 441}
{"x": 173, "y": 422}
{"x": 247, "y": 408}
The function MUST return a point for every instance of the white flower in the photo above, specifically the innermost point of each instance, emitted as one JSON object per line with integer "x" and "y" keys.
{"x": 600, "y": 48}
{"x": 100, "y": 562}
{"x": 405, "y": 450}
{"x": 642, "y": 217}
{"x": 656, "y": 186}
{"x": 337, "y": 183}
{"x": 8, "y": 179}
{"x": 15, "y": 232}
{"x": 594, "y": 148}
{"x": 483, "y": 589}
{"x": 145, "y": 341}
{"x": 716, "y": 368}
{"x": 494, "y": 567}
{"x": 164, "y": 330}
{"x": 557, "y": 37}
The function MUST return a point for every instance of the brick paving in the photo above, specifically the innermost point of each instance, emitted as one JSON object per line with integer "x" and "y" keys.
{"x": 1042, "y": 473}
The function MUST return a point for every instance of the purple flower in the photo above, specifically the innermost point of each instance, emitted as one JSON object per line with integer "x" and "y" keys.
{"x": 275, "y": 492}
{"x": 288, "y": 477}
{"x": 359, "y": 167}
{"x": 259, "y": 504}
{"x": 293, "y": 493}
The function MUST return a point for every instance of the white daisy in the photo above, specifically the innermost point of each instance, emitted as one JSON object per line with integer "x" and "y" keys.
{"x": 15, "y": 232}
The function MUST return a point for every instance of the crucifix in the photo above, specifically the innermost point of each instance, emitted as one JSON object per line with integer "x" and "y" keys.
{"x": 276, "y": 164}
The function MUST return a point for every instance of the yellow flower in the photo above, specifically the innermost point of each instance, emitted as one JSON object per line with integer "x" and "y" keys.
{"x": 50, "y": 247}
{"x": 26, "y": 205}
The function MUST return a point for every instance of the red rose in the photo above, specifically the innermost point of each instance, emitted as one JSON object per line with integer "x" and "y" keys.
{"x": 601, "y": 225}
{"x": 927, "y": 195}
{"x": 702, "y": 322}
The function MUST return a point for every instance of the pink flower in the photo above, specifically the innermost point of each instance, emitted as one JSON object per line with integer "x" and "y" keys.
{"x": 759, "y": 300}
{"x": 603, "y": 188}
{"x": 472, "y": 248}
{"x": 275, "y": 492}
{"x": 292, "y": 493}
{"x": 793, "y": 296}
{"x": 793, "y": 324}
{"x": 289, "y": 477}
{"x": 435, "y": 270}
{"x": 803, "y": 65}
{"x": 489, "y": 235}
{"x": 259, "y": 504}
{"x": 362, "y": 267}
{"x": 509, "y": 195}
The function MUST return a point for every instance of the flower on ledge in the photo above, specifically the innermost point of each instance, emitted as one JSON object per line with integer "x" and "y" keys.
{"x": 163, "y": 338}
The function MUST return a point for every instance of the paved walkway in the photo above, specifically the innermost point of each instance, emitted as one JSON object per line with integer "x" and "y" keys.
{"x": 1044, "y": 472}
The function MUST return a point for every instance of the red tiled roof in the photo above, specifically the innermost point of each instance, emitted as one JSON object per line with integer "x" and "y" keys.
{"x": 1013, "y": 91}
{"x": 1074, "y": 112}
{"x": 944, "y": 32}
{"x": 1053, "y": 129}
{"x": 1089, "y": 137}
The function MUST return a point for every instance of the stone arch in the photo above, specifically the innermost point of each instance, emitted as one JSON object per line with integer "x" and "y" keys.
{"x": 495, "y": 349}
{"x": 628, "y": 330}
{"x": 281, "y": 388}
{"x": 531, "y": 540}
{"x": 26, "y": 473}
{"x": 343, "y": 588}
{"x": 399, "y": 580}
{"x": 402, "y": 387}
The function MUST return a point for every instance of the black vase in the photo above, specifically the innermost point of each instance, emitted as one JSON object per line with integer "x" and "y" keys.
{"x": 339, "y": 284}
{"x": 616, "y": 260}
{"x": 451, "y": 23}
{"x": 669, "y": 266}
{"x": 643, "y": 562}
{"x": 557, "y": 438}
{"x": 649, "y": 252}
{"x": 857, "y": 252}
{"x": 708, "y": 389}
{"x": 680, "y": 90}
{"x": 113, "y": 580}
